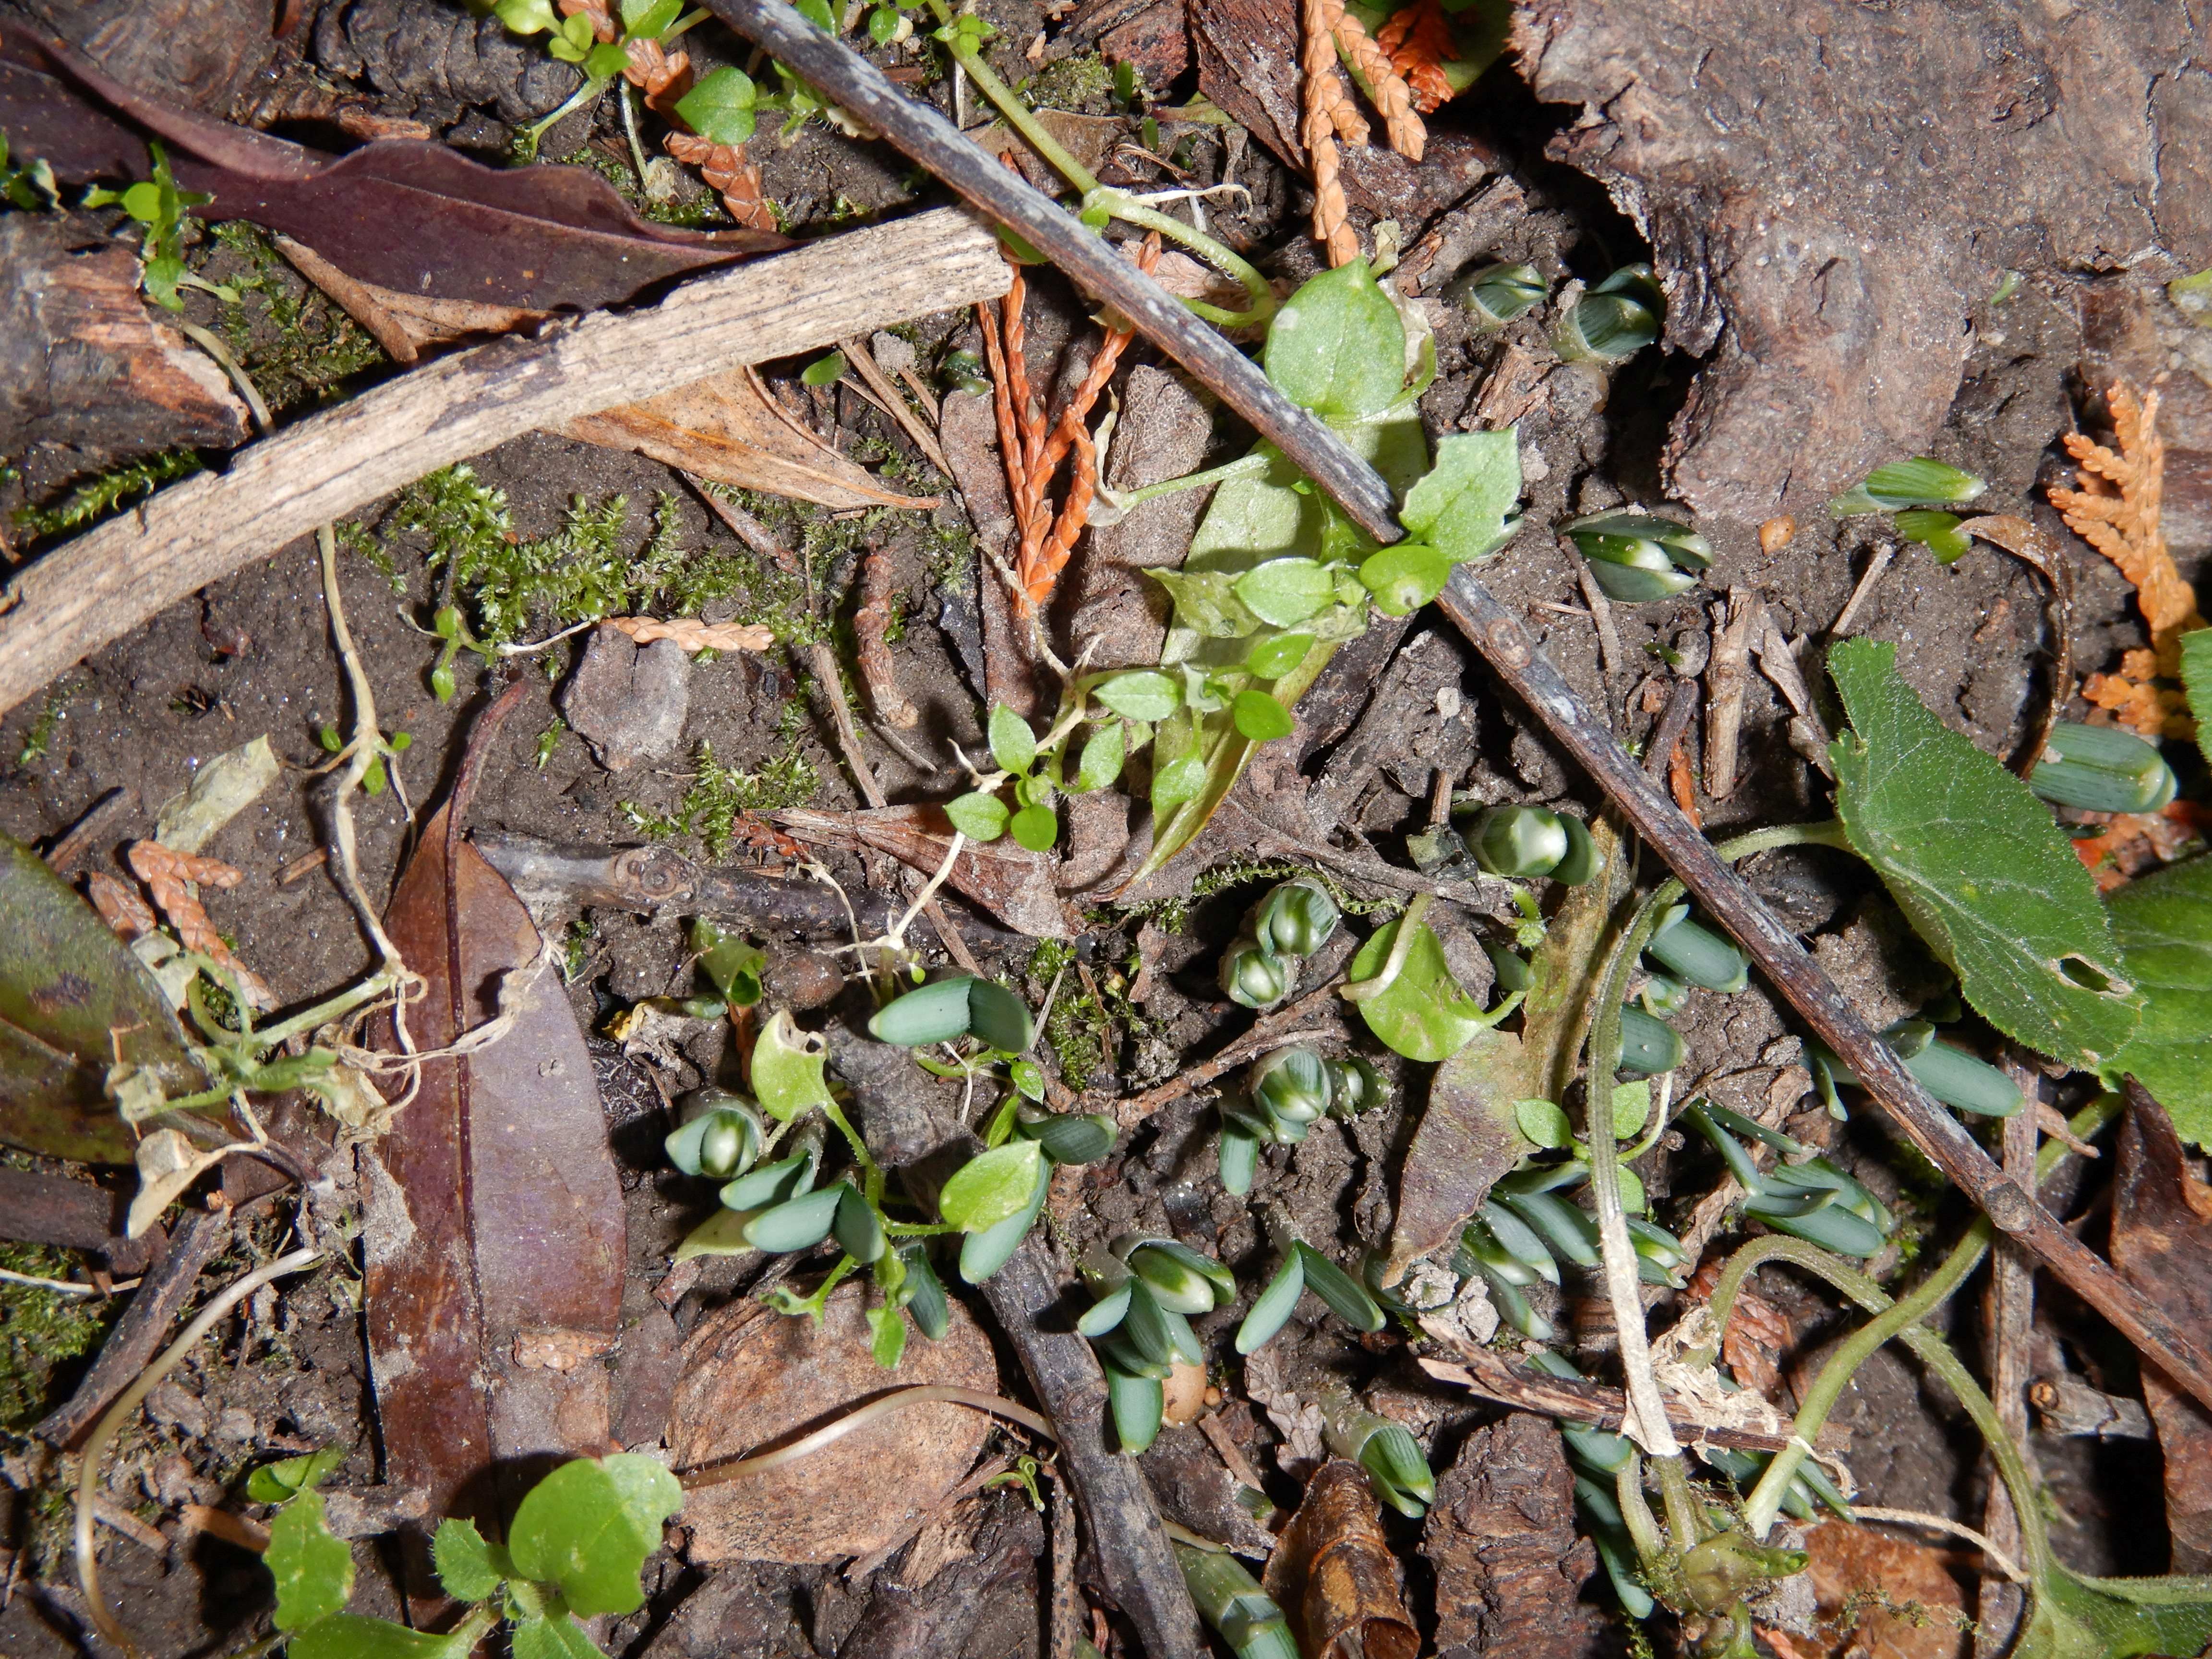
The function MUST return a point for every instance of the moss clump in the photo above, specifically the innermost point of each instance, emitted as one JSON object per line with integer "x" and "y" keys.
{"x": 305, "y": 346}
{"x": 1077, "y": 1029}
{"x": 1083, "y": 84}
{"x": 720, "y": 796}
{"x": 42, "y": 1330}
{"x": 97, "y": 498}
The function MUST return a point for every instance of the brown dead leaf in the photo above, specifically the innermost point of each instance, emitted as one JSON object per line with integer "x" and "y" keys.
{"x": 495, "y": 1211}
{"x": 754, "y": 1380}
{"x": 405, "y": 325}
{"x": 1759, "y": 1334}
{"x": 693, "y": 634}
{"x": 1333, "y": 1573}
{"x": 1011, "y": 882}
{"x": 726, "y": 427}
{"x": 1881, "y": 1597}
{"x": 2162, "y": 1245}
{"x": 170, "y": 876}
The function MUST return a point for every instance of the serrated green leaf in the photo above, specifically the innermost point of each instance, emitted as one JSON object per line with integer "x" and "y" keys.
{"x": 1141, "y": 694}
{"x": 2163, "y": 922}
{"x": 1014, "y": 745}
{"x": 351, "y": 1636}
{"x": 1104, "y": 753}
{"x": 1338, "y": 345}
{"x": 313, "y": 1570}
{"x": 1422, "y": 1013}
{"x": 1283, "y": 593}
{"x": 1988, "y": 880}
{"x": 464, "y": 1561}
{"x": 587, "y": 1528}
{"x": 1463, "y": 506}
{"x": 992, "y": 1187}
{"x": 556, "y": 1638}
{"x": 786, "y": 1068}
{"x": 977, "y": 815}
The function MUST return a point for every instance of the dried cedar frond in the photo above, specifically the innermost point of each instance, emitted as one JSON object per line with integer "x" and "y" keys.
{"x": 726, "y": 168}
{"x": 1393, "y": 96}
{"x": 170, "y": 876}
{"x": 1418, "y": 40}
{"x": 2116, "y": 511}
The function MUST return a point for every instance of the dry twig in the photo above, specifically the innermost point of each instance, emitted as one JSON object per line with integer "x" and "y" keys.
{"x": 2116, "y": 511}
{"x": 872, "y": 648}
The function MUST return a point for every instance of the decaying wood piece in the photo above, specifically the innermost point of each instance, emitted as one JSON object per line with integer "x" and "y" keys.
{"x": 56, "y": 1209}
{"x": 109, "y": 580}
{"x": 1727, "y": 672}
{"x": 1833, "y": 292}
{"x": 2162, "y": 1242}
{"x": 1333, "y": 1574}
{"x": 84, "y": 365}
{"x": 2008, "y": 1317}
{"x": 1011, "y": 882}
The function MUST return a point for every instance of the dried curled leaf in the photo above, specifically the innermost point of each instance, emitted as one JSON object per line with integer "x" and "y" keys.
{"x": 170, "y": 876}
{"x": 694, "y": 634}
{"x": 2116, "y": 511}
{"x": 1334, "y": 1574}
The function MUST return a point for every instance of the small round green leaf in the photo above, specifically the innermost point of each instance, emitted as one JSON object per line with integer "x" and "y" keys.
{"x": 1143, "y": 694}
{"x": 936, "y": 1013}
{"x": 1405, "y": 577}
{"x": 797, "y": 1224}
{"x": 992, "y": 1187}
{"x": 1261, "y": 717}
{"x": 1273, "y": 655}
{"x": 313, "y": 1570}
{"x": 1103, "y": 751}
{"x": 787, "y": 1068}
{"x": 977, "y": 815}
{"x": 1037, "y": 828}
{"x": 1283, "y": 593}
{"x": 824, "y": 371}
{"x": 1543, "y": 1123}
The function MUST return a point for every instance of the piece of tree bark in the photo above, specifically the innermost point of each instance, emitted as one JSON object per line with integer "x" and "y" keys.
{"x": 84, "y": 365}
{"x": 1829, "y": 194}
{"x": 2162, "y": 1245}
{"x": 114, "y": 577}
{"x": 53, "y": 1209}
{"x": 200, "y": 52}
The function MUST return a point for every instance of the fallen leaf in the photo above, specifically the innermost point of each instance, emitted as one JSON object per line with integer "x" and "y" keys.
{"x": 170, "y": 876}
{"x": 218, "y": 793}
{"x": 1012, "y": 882}
{"x": 2162, "y": 1245}
{"x": 727, "y": 429}
{"x": 405, "y": 325}
{"x": 496, "y": 1208}
{"x": 694, "y": 634}
{"x": 754, "y": 1379}
{"x": 73, "y": 1002}
{"x": 1333, "y": 1573}
{"x": 168, "y": 1163}
{"x": 412, "y": 217}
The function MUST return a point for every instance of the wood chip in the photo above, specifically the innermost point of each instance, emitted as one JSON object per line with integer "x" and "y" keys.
{"x": 1727, "y": 671}
{"x": 1334, "y": 1574}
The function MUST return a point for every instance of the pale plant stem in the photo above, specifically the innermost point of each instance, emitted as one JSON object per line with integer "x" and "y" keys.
{"x": 111, "y": 1424}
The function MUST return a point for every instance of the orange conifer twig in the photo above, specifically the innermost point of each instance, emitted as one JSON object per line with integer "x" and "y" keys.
{"x": 1418, "y": 37}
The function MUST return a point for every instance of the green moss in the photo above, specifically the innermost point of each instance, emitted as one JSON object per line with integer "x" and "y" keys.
{"x": 1083, "y": 83}
{"x": 97, "y": 498}
{"x": 42, "y": 1330}
{"x": 719, "y": 795}
{"x": 1077, "y": 1028}
{"x": 40, "y": 737}
{"x": 306, "y": 347}
{"x": 1238, "y": 872}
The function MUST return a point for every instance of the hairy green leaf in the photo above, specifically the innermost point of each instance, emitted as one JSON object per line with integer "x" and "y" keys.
{"x": 1974, "y": 859}
{"x": 2164, "y": 924}
{"x": 1037, "y": 828}
{"x": 1338, "y": 346}
{"x": 977, "y": 815}
{"x": 1141, "y": 694}
{"x": 1014, "y": 745}
{"x": 587, "y": 1528}
{"x": 464, "y": 1561}
{"x": 1103, "y": 751}
{"x": 1283, "y": 593}
{"x": 556, "y": 1638}
{"x": 992, "y": 1186}
{"x": 1543, "y": 1123}
{"x": 1259, "y": 717}
{"x": 351, "y": 1636}
{"x": 313, "y": 1570}
{"x": 1464, "y": 506}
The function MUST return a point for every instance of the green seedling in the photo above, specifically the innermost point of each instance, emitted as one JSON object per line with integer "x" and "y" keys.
{"x": 29, "y": 183}
{"x": 1923, "y": 482}
{"x": 720, "y": 1138}
{"x": 2102, "y": 768}
{"x": 964, "y": 1007}
{"x": 1405, "y": 991}
{"x": 158, "y": 205}
{"x": 1390, "y": 1453}
{"x": 1613, "y": 321}
{"x": 1810, "y": 1199}
{"x": 1952, "y": 1076}
{"x": 1697, "y": 955}
{"x": 1493, "y": 295}
{"x": 1038, "y": 771}
{"x": 1938, "y": 532}
{"x": 576, "y": 1550}
{"x": 1649, "y": 1047}
{"x": 1635, "y": 556}
{"x": 1144, "y": 1291}
{"x": 1287, "y": 924}
{"x": 572, "y": 40}
{"x": 1286, "y": 1093}
{"x": 1230, "y": 1600}
{"x": 1304, "y": 1268}
{"x": 1519, "y": 842}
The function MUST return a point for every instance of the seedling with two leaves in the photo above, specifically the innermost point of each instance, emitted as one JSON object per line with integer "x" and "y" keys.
{"x": 1917, "y": 492}
{"x": 575, "y": 40}
{"x": 1304, "y": 1268}
{"x": 1610, "y": 323}
{"x": 576, "y": 1549}
{"x": 1386, "y": 1450}
{"x": 1145, "y": 1290}
{"x": 1038, "y": 770}
{"x": 1810, "y": 1199}
{"x": 159, "y": 206}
